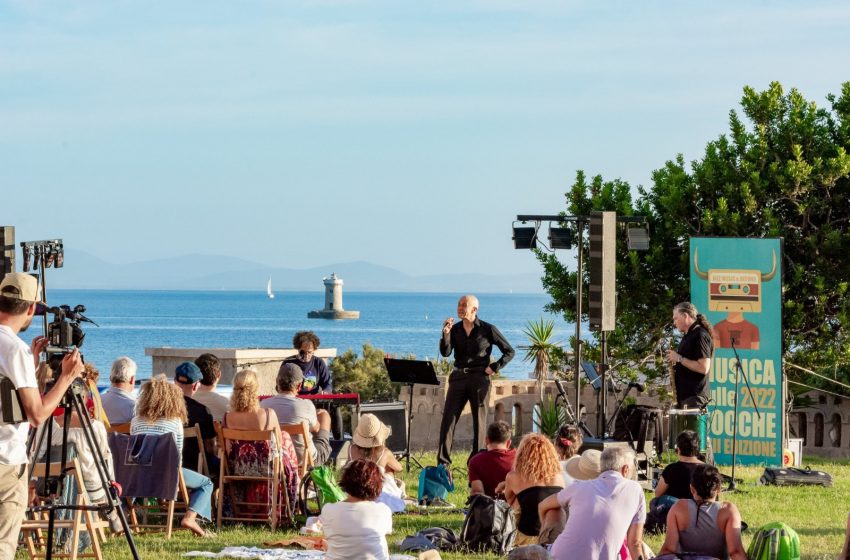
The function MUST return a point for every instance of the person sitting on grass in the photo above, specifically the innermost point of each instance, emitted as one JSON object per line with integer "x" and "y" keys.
{"x": 161, "y": 409}
{"x": 568, "y": 441}
{"x": 703, "y": 525}
{"x": 489, "y": 468}
{"x": 675, "y": 479}
{"x": 358, "y": 526}
{"x": 535, "y": 476}
{"x": 369, "y": 442}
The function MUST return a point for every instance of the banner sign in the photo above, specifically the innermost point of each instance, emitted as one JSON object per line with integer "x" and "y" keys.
{"x": 737, "y": 284}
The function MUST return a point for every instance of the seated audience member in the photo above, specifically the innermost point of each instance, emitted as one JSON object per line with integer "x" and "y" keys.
{"x": 292, "y": 410}
{"x": 357, "y": 527}
{"x": 368, "y": 442}
{"x": 217, "y": 403}
{"x": 536, "y": 474}
{"x": 489, "y": 468}
{"x": 703, "y": 525}
{"x": 568, "y": 441}
{"x": 675, "y": 479}
{"x": 187, "y": 377}
{"x": 118, "y": 401}
{"x": 578, "y": 467}
{"x": 317, "y": 377}
{"x": 604, "y": 511}
{"x": 161, "y": 409}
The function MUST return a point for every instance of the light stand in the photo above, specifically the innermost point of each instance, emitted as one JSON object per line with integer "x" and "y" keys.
{"x": 739, "y": 371}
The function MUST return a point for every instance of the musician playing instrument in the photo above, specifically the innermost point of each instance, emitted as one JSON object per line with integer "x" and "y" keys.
{"x": 692, "y": 359}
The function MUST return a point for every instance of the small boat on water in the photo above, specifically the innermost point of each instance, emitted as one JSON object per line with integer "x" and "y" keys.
{"x": 269, "y": 289}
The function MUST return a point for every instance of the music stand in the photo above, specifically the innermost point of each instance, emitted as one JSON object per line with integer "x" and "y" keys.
{"x": 411, "y": 372}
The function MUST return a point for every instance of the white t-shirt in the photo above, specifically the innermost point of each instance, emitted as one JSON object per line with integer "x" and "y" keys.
{"x": 357, "y": 530}
{"x": 16, "y": 363}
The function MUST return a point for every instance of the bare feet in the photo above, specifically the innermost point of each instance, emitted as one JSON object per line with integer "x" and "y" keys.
{"x": 188, "y": 522}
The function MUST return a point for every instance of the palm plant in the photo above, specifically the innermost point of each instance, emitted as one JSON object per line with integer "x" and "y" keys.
{"x": 539, "y": 350}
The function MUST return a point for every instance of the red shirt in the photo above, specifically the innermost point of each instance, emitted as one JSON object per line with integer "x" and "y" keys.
{"x": 491, "y": 467}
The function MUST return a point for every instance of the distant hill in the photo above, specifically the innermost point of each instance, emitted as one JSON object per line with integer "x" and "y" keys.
{"x": 210, "y": 272}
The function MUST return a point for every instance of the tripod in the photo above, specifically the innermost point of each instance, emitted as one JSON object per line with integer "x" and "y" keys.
{"x": 739, "y": 370}
{"x": 571, "y": 417}
{"x": 54, "y": 484}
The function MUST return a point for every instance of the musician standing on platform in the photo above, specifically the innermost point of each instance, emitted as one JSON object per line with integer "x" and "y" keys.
{"x": 692, "y": 359}
{"x": 472, "y": 341}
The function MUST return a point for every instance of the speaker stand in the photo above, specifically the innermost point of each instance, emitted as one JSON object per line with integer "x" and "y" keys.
{"x": 407, "y": 455}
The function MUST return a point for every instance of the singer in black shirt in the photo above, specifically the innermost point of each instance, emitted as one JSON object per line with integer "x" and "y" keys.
{"x": 692, "y": 359}
{"x": 472, "y": 341}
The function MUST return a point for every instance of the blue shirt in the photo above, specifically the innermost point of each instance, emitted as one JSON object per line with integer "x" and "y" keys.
{"x": 119, "y": 405}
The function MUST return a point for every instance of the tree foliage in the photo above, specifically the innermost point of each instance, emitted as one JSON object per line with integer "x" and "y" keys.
{"x": 366, "y": 375}
{"x": 782, "y": 170}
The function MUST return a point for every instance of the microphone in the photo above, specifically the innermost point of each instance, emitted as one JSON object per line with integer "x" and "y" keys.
{"x": 639, "y": 386}
{"x": 560, "y": 388}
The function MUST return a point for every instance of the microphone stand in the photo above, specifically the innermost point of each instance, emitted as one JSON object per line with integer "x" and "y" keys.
{"x": 739, "y": 372}
{"x": 620, "y": 404}
{"x": 571, "y": 417}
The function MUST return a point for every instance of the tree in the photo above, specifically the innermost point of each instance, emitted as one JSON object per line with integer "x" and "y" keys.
{"x": 540, "y": 349}
{"x": 782, "y": 171}
{"x": 366, "y": 376}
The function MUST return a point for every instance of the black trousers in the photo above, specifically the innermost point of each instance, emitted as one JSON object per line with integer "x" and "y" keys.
{"x": 471, "y": 387}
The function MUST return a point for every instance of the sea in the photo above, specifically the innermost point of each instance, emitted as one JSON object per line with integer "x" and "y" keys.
{"x": 399, "y": 323}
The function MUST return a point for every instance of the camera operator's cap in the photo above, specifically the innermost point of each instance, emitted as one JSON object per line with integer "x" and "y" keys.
{"x": 22, "y": 286}
{"x": 188, "y": 373}
{"x": 289, "y": 374}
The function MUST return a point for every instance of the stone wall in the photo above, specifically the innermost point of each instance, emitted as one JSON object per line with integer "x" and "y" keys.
{"x": 265, "y": 361}
{"x": 825, "y": 428}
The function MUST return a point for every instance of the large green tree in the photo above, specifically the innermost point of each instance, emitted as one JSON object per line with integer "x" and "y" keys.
{"x": 782, "y": 170}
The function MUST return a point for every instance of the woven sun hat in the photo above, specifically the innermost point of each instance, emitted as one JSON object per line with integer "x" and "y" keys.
{"x": 370, "y": 432}
{"x": 585, "y": 466}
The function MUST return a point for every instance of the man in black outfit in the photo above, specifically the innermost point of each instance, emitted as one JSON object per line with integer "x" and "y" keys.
{"x": 188, "y": 377}
{"x": 472, "y": 341}
{"x": 692, "y": 359}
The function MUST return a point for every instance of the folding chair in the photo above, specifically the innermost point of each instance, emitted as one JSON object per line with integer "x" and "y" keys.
{"x": 123, "y": 428}
{"x": 33, "y": 529}
{"x": 301, "y": 429}
{"x": 162, "y": 491}
{"x": 233, "y": 480}
{"x": 195, "y": 432}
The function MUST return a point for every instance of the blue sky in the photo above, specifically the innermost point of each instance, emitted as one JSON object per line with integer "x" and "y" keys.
{"x": 408, "y": 134}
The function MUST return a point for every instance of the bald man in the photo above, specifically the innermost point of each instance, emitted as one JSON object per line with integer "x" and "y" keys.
{"x": 472, "y": 342}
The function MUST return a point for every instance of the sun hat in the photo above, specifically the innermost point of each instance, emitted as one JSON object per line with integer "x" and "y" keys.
{"x": 370, "y": 432}
{"x": 586, "y": 466}
{"x": 22, "y": 286}
{"x": 188, "y": 373}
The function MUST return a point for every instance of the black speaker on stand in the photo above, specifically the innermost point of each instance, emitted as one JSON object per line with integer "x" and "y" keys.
{"x": 7, "y": 250}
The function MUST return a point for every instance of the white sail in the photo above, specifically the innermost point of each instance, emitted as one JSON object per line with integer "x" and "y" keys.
{"x": 269, "y": 289}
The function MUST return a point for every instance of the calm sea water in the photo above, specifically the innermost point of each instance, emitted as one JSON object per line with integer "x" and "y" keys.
{"x": 398, "y": 323}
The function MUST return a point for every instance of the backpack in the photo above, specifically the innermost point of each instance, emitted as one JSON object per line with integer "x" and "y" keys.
{"x": 434, "y": 483}
{"x": 489, "y": 526}
{"x": 775, "y": 541}
{"x": 322, "y": 481}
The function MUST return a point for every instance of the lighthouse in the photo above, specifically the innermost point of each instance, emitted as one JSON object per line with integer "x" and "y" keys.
{"x": 333, "y": 302}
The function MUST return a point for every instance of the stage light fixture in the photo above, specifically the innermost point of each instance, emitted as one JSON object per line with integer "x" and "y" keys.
{"x": 560, "y": 237}
{"x": 60, "y": 256}
{"x": 525, "y": 237}
{"x": 638, "y": 238}
{"x": 27, "y": 254}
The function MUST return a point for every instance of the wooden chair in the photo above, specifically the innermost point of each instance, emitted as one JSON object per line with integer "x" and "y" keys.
{"x": 244, "y": 510}
{"x": 301, "y": 429}
{"x": 123, "y": 428}
{"x": 33, "y": 529}
{"x": 195, "y": 432}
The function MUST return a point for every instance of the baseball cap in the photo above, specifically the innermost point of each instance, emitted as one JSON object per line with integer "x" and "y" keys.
{"x": 188, "y": 373}
{"x": 22, "y": 286}
{"x": 289, "y": 374}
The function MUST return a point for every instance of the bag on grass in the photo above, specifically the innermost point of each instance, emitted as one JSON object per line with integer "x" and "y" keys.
{"x": 790, "y": 476}
{"x": 434, "y": 482}
{"x": 321, "y": 480}
{"x": 774, "y": 541}
{"x": 489, "y": 526}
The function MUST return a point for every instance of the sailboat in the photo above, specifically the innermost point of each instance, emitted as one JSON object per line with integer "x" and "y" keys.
{"x": 269, "y": 289}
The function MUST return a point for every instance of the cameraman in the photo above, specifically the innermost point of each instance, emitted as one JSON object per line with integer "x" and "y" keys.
{"x": 18, "y": 298}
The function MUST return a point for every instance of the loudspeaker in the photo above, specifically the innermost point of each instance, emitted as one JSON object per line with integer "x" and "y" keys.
{"x": 7, "y": 250}
{"x": 603, "y": 269}
{"x": 394, "y": 415}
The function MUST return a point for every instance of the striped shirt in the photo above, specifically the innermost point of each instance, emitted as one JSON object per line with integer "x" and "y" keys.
{"x": 171, "y": 426}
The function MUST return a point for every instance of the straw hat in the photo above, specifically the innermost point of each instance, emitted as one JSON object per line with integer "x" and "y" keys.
{"x": 370, "y": 432}
{"x": 585, "y": 466}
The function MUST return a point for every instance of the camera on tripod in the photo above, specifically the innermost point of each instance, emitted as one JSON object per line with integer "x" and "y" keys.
{"x": 64, "y": 333}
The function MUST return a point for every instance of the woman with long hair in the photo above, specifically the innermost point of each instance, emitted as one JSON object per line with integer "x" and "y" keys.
{"x": 705, "y": 525}
{"x": 535, "y": 476}
{"x": 568, "y": 440}
{"x": 254, "y": 458}
{"x": 161, "y": 409}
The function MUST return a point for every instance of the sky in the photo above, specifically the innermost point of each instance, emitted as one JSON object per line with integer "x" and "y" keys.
{"x": 407, "y": 134}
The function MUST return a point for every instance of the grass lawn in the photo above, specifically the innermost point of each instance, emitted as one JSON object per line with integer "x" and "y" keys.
{"x": 818, "y": 515}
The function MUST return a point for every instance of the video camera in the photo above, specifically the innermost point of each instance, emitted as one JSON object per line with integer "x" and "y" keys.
{"x": 64, "y": 332}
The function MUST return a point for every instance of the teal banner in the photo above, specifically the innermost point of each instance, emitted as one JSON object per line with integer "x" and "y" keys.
{"x": 737, "y": 284}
